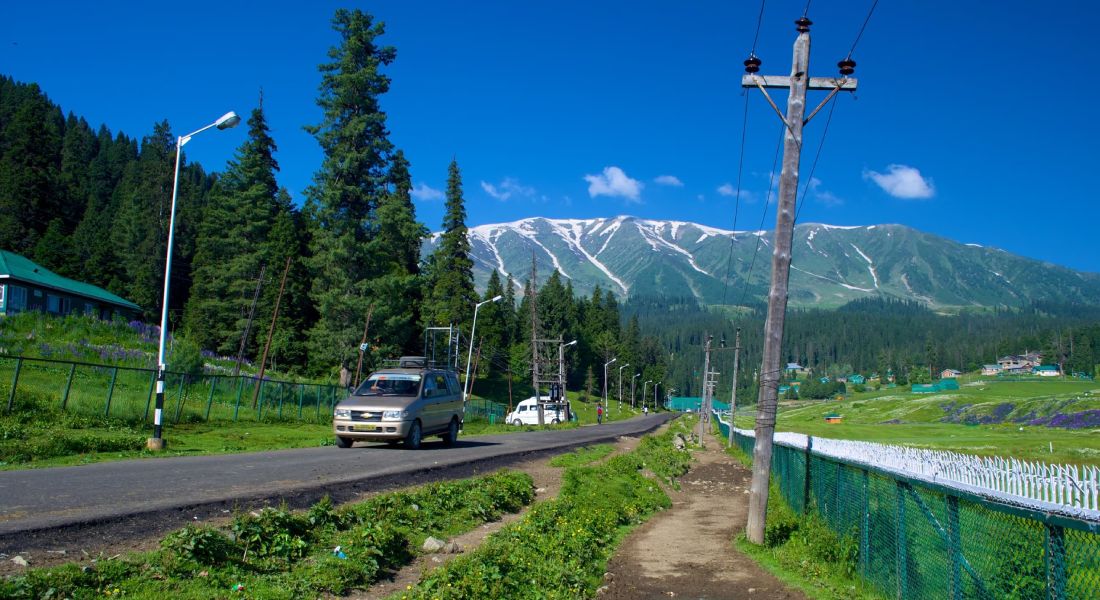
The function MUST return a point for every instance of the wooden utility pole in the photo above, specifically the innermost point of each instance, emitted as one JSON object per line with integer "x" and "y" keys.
{"x": 248, "y": 326}
{"x": 363, "y": 346}
{"x": 733, "y": 394}
{"x": 533, "y": 303}
{"x": 797, "y": 83}
{"x": 270, "y": 331}
{"x": 706, "y": 387}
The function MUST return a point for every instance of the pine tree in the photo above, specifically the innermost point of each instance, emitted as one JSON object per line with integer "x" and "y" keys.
{"x": 231, "y": 243}
{"x": 31, "y": 146}
{"x": 453, "y": 295}
{"x": 349, "y": 187}
{"x": 491, "y": 323}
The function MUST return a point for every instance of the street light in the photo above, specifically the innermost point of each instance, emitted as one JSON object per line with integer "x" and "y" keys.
{"x": 605, "y": 380}
{"x": 621, "y": 385}
{"x": 636, "y": 375}
{"x": 655, "y": 394}
{"x": 470, "y": 355}
{"x": 648, "y": 381}
{"x": 226, "y": 121}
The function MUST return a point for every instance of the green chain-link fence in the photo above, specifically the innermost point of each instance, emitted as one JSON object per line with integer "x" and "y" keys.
{"x": 921, "y": 540}
{"x": 127, "y": 393}
{"x": 480, "y": 408}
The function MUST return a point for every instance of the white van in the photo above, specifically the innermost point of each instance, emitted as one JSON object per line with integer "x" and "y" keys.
{"x": 527, "y": 413}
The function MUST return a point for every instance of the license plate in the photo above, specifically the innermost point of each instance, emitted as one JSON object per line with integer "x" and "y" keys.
{"x": 367, "y": 428}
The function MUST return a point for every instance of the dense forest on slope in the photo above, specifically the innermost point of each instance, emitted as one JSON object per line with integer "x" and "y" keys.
{"x": 866, "y": 336}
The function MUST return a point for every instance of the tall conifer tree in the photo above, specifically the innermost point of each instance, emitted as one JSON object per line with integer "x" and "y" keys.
{"x": 349, "y": 187}
{"x": 231, "y": 244}
{"x": 453, "y": 295}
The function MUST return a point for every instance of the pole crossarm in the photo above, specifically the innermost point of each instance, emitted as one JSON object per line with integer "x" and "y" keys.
{"x": 847, "y": 84}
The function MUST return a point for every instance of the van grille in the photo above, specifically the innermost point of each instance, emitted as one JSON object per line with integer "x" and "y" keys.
{"x": 363, "y": 415}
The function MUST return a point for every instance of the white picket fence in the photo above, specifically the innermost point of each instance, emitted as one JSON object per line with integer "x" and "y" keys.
{"x": 1068, "y": 490}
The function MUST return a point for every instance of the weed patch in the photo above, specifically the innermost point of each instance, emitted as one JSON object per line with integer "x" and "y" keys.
{"x": 582, "y": 456}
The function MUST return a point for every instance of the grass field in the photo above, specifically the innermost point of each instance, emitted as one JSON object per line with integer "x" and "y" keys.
{"x": 988, "y": 418}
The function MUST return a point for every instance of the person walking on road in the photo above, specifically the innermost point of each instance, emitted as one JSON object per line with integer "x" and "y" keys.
{"x": 599, "y": 414}
{"x": 645, "y": 410}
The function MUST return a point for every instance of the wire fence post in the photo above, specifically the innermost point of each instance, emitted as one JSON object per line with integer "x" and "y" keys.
{"x": 14, "y": 383}
{"x": 865, "y": 528}
{"x": 110, "y": 392}
{"x": 901, "y": 559}
{"x": 281, "y": 394}
{"x": 1054, "y": 553}
{"x": 68, "y": 386}
{"x": 237, "y": 406}
{"x": 179, "y": 399}
{"x": 806, "y": 477}
{"x": 954, "y": 546}
{"x": 149, "y": 395}
{"x": 260, "y": 400}
{"x": 301, "y": 398}
{"x": 318, "y": 398}
{"x": 210, "y": 398}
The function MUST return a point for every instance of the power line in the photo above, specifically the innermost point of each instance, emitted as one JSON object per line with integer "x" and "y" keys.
{"x": 813, "y": 167}
{"x": 737, "y": 201}
{"x": 759, "y": 20}
{"x": 864, "y": 26}
{"x": 763, "y": 216}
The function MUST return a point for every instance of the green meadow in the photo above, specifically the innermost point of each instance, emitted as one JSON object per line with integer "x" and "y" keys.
{"x": 983, "y": 417}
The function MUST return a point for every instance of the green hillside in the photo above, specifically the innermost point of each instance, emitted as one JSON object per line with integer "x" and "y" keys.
{"x": 1052, "y": 421}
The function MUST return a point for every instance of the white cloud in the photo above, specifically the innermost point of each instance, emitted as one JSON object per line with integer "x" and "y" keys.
{"x": 507, "y": 188}
{"x": 423, "y": 192}
{"x": 903, "y": 181}
{"x": 822, "y": 195}
{"x": 727, "y": 189}
{"x": 615, "y": 183}
{"x": 672, "y": 180}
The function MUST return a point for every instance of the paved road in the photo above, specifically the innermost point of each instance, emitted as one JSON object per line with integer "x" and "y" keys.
{"x": 38, "y": 503}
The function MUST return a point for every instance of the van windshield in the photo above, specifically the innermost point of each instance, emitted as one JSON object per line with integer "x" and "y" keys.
{"x": 389, "y": 384}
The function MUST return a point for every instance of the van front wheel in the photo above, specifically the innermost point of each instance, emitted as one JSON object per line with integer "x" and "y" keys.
{"x": 412, "y": 441}
{"x": 517, "y": 422}
{"x": 343, "y": 442}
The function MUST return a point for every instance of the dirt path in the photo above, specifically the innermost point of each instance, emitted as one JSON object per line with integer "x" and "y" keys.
{"x": 687, "y": 552}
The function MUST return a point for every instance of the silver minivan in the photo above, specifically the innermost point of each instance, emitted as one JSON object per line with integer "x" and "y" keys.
{"x": 401, "y": 404}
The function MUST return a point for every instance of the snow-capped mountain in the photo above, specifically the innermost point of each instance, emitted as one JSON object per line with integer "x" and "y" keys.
{"x": 831, "y": 264}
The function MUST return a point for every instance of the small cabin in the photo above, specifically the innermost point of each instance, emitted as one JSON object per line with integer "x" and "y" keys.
{"x": 833, "y": 418}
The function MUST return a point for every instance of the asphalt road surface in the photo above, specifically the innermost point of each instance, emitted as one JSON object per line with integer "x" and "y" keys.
{"x": 116, "y": 499}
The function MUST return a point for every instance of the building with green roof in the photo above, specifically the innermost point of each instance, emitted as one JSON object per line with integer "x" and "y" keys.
{"x": 26, "y": 285}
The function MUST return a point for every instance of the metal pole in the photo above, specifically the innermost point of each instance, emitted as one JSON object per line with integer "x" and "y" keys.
{"x": 248, "y": 324}
{"x": 733, "y": 395}
{"x": 633, "y": 381}
{"x": 271, "y": 331}
{"x": 621, "y": 385}
{"x": 362, "y": 346}
{"x": 470, "y": 354}
{"x": 157, "y": 442}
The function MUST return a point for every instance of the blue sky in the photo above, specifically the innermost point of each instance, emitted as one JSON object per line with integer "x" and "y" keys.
{"x": 965, "y": 123}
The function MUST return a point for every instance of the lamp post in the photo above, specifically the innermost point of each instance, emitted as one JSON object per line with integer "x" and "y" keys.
{"x": 655, "y": 394}
{"x": 226, "y": 121}
{"x": 470, "y": 354}
{"x": 648, "y": 381}
{"x": 632, "y": 380}
{"x": 605, "y": 381}
{"x": 621, "y": 385}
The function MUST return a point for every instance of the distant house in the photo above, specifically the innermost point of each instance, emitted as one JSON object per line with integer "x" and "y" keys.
{"x": 793, "y": 370}
{"x": 991, "y": 369}
{"x": 949, "y": 374}
{"x": 857, "y": 379}
{"x": 1047, "y": 371}
{"x": 27, "y": 286}
{"x": 833, "y": 418}
{"x": 1019, "y": 363}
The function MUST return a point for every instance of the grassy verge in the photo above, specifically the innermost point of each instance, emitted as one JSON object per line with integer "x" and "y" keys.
{"x": 803, "y": 552}
{"x": 278, "y": 554}
{"x": 561, "y": 547}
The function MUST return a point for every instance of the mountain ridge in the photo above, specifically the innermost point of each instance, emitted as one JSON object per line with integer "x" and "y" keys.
{"x": 831, "y": 264}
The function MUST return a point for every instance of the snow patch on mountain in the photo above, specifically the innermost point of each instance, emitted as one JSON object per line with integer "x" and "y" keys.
{"x": 870, "y": 264}
{"x": 574, "y": 241}
{"x": 840, "y": 283}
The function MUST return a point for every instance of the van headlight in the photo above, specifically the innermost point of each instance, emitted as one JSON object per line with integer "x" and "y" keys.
{"x": 394, "y": 415}
{"x": 341, "y": 413}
